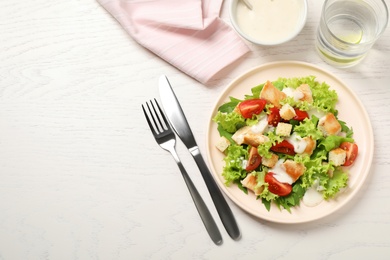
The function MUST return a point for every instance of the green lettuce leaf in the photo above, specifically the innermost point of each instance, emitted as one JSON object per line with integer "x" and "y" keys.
{"x": 297, "y": 81}
{"x": 230, "y": 122}
{"x": 324, "y": 99}
{"x": 228, "y": 107}
{"x": 226, "y": 134}
{"x": 233, "y": 169}
{"x": 333, "y": 141}
{"x": 338, "y": 181}
{"x": 316, "y": 169}
{"x": 344, "y": 128}
{"x": 255, "y": 91}
{"x": 264, "y": 148}
{"x": 308, "y": 127}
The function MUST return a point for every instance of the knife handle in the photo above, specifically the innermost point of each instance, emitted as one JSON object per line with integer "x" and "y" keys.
{"x": 223, "y": 209}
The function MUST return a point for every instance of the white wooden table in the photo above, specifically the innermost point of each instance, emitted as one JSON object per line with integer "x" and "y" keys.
{"x": 81, "y": 176}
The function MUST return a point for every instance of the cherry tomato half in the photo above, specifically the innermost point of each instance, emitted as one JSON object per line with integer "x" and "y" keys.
{"x": 254, "y": 159}
{"x": 352, "y": 152}
{"x": 274, "y": 117}
{"x": 276, "y": 187}
{"x": 251, "y": 107}
{"x": 300, "y": 115}
{"x": 283, "y": 147}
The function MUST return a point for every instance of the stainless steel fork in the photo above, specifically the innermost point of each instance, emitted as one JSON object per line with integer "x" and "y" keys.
{"x": 165, "y": 137}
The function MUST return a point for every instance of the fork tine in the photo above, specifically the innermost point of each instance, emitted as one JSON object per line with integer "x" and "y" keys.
{"x": 162, "y": 115}
{"x": 158, "y": 116}
{"x": 148, "y": 119}
{"x": 159, "y": 127}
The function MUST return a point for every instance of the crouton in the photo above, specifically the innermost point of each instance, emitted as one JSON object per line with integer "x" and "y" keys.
{"x": 270, "y": 162}
{"x": 307, "y": 94}
{"x": 287, "y": 112}
{"x": 272, "y": 94}
{"x": 294, "y": 169}
{"x": 222, "y": 144}
{"x": 329, "y": 125}
{"x": 250, "y": 182}
{"x": 337, "y": 156}
{"x": 283, "y": 129}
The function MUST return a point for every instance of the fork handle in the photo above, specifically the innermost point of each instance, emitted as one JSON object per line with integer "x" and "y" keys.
{"x": 223, "y": 209}
{"x": 203, "y": 211}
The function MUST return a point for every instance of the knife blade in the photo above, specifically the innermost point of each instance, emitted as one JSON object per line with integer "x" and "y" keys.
{"x": 180, "y": 125}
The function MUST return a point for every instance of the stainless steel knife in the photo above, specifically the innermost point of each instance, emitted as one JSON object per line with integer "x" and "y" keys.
{"x": 180, "y": 125}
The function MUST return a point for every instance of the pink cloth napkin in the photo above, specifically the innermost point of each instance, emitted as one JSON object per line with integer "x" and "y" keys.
{"x": 186, "y": 33}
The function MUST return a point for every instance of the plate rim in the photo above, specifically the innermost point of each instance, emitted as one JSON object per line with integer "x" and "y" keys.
{"x": 366, "y": 171}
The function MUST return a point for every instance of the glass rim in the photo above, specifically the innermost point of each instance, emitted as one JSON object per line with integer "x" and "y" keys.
{"x": 386, "y": 10}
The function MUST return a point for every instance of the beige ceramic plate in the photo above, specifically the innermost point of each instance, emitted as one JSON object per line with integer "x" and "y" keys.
{"x": 351, "y": 111}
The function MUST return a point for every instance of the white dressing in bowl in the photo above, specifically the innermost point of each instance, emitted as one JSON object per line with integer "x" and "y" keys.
{"x": 269, "y": 22}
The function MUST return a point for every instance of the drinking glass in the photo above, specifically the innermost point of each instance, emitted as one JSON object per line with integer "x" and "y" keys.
{"x": 349, "y": 28}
